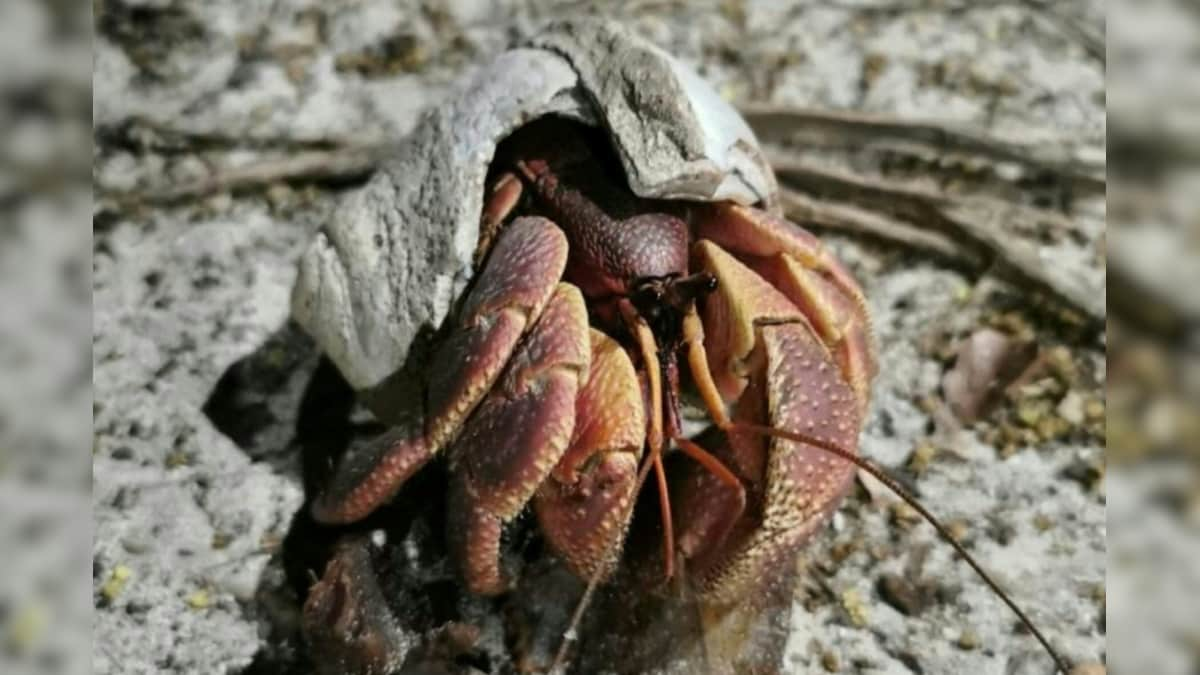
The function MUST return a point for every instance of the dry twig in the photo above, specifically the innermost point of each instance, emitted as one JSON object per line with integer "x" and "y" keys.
{"x": 1090, "y": 39}
{"x": 859, "y": 128}
{"x": 974, "y": 225}
{"x": 341, "y": 164}
{"x": 848, "y": 218}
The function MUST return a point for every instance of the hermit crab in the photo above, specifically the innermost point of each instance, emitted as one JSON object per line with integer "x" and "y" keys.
{"x": 580, "y": 241}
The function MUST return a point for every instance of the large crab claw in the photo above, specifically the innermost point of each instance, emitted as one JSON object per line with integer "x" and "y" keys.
{"x": 814, "y": 282}
{"x": 516, "y": 437}
{"x": 508, "y": 297}
{"x": 787, "y": 342}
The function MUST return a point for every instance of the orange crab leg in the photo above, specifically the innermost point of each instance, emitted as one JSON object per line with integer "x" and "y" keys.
{"x": 664, "y": 505}
{"x": 795, "y": 263}
{"x": 503, "y": 196}
{"x": 763, "y": 352}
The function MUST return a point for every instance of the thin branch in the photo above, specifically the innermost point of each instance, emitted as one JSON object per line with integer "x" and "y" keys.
{"x": 140, "y": 135}
{"x": 975, "y": 224}
{"x": 847, "y": 218}
{"x": 780, "y": 123}
{"x": 342, "y": 164}
{"x": 1144, "y": 137}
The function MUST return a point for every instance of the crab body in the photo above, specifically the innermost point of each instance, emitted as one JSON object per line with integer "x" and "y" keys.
{"x": 561, "y": 374}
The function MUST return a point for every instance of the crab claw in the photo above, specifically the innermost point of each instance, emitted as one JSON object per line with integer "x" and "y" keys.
{"x": 763, "y": 351}
{"x": 508, "y": 296}
{"x": 584, "y": 508}
{"x": 516, "y": 437}
{"x": 814, "y": 282}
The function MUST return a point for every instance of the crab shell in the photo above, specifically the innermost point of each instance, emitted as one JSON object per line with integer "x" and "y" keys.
{"x": 380, "y": 279}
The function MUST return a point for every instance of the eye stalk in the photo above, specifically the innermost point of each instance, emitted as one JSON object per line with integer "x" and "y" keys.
{"x": 663, "y": 302}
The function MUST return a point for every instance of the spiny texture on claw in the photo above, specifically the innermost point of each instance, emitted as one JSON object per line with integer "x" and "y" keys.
{"x": 802, "y": 484}
{"x": 838, "y": 321}
{"x": 766, "y": 349}
{"x": 508, "y": 296}
{"x": 517, "y": 435}
{"x": 584, "y": 508}
{"x": 817, "y": 284}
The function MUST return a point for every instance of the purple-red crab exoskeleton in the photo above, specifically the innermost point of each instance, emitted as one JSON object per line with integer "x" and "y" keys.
{"x": 558, "y": 383}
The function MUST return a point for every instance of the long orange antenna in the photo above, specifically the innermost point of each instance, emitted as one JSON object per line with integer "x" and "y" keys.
{"x": 894, "y": 486}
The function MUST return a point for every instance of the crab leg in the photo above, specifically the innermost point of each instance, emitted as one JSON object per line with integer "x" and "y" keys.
{"x": 693, "y": 336}
{"x": 509, "y": 295}
{"x": 793, "y": 261}
{"x": 764, "y": 353}
{"x": 503, "y": 196}
{"x": 516, "y": 437}
{"x": 584, "y": 508}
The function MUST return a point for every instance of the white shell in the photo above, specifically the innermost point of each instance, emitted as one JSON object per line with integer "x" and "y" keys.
{"x": 384, "y": 273}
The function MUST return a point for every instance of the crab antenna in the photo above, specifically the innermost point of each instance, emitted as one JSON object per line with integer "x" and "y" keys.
{"x": 894, "y": 486}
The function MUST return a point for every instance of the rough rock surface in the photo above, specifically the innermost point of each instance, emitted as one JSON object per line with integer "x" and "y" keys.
{"x": 199, "y": 378}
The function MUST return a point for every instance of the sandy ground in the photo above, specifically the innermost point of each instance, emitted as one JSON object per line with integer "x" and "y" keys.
{"x": 197, "y": 463}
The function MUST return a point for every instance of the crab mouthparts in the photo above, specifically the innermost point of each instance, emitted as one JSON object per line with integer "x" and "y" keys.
{"x": 663, "y": 302}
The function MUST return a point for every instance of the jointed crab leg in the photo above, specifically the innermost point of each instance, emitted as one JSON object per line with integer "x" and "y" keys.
{"x": 693, "y": 337}
{"x": 709, "y": 462}
{"x": 763, "y": 353}
{"x": 509, "y": 295}
{"x": 789, "y": 349}
{"x": 515, "y": 438}
{"x": 503, "y": 196}
{"x": 795, "y": 263}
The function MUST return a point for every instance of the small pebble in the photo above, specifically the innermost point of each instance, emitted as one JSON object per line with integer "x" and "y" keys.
{"x": 1071, "y": 408}
{"x": 922, "y": 456}
{"x": 199, "y": 599}
{"x": 116, "y": 583}
{"x": 855, "y": 608}
{"x": 902, "y": 593}
{"x": 968, "y": 640}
